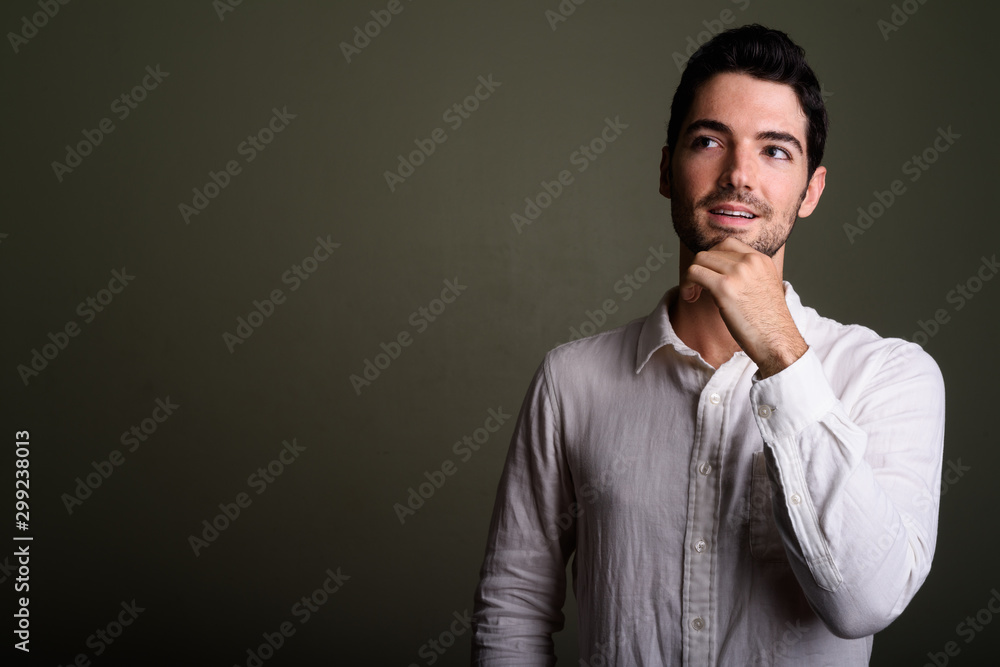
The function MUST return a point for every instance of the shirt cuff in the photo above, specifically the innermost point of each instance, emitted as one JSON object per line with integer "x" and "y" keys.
{"x": 789, "y": 401}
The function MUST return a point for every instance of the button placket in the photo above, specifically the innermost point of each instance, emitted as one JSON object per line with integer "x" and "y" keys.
{"x": 700, "y": 581}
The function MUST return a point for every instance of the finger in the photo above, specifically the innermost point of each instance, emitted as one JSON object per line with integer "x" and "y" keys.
{"x": 690, "y": 292}
{"x": 697, "y": 279}
{"x": 720, "y": 261}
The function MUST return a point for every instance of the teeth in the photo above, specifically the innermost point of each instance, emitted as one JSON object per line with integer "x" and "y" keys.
{"x": 736, "y": 214}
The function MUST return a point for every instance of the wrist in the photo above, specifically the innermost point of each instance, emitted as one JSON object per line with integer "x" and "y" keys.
{"x": 783, "y": 357}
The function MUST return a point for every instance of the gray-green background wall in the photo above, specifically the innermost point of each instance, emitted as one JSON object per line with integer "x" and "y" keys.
{"x": 329, "y": 126}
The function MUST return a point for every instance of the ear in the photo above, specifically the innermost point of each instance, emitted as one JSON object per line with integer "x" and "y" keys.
{"x": 813, "y": 191}
{"x": 665, "y": 173}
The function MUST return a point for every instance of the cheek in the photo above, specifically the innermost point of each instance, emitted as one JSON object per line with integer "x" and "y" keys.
{"x": 782, "y": 198}
{"x": 695, "y": 178}
{"x": 795, "y": 200}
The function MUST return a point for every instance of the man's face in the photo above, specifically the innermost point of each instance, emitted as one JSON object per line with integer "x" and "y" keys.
{"x": 739, "y": 167}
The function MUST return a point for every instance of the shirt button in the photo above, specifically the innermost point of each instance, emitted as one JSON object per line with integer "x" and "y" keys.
{"x": 715, "y": 399}
{"x": 705, "y": 468}
{"x": 698, "y": 623}
{"x": 699, "y": 546}
{"x": 795, "y": 499}
{"x": 764, "y": 411}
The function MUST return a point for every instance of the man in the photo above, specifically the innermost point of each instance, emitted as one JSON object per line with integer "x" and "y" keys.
{"x": 742, "y": 481}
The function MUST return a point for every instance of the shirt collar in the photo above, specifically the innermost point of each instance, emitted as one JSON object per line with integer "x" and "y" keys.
{"x": 657, "y": 330}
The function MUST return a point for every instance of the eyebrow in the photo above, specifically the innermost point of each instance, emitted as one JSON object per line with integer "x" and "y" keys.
{"x": 769, "y": 135}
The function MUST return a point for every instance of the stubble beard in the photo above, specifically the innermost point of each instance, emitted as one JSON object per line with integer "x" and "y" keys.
{"x": 771, "y": 236}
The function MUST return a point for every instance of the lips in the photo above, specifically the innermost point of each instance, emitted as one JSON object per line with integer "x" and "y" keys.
{"x": 736, "y": 212}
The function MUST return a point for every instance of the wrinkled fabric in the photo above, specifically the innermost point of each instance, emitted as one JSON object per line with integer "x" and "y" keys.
{"x": 713, "y": 517}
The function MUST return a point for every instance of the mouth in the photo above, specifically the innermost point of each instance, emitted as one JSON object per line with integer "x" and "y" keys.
{"x": 729, "y": 214}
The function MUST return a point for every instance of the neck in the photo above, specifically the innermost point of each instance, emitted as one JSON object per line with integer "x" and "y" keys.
{"x": 700, "y": 325}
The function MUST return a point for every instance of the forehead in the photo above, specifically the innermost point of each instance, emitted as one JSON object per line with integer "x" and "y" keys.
{"x": 749, "y": 104}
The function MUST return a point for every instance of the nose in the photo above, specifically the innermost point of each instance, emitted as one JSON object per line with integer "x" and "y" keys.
{"x": 739, "y": 169}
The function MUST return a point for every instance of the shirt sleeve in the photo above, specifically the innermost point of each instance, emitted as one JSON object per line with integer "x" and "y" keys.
{"x": 532, "y": 535}
{"x": 856, "y": 494}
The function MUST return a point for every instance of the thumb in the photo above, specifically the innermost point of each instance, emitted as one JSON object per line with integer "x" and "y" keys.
{"x": 690, "y": 292}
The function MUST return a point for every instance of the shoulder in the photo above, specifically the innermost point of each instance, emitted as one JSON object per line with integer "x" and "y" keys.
{"x": 857, "y": 352}
{"x": 603, "y": 356}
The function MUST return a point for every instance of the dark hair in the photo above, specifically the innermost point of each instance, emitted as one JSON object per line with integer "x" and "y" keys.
{"x": 762, "y": 53}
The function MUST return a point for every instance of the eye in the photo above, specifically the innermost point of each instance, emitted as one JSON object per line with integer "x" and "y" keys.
{"x": 771, "y": 149}
{"x": 703, "y": 142}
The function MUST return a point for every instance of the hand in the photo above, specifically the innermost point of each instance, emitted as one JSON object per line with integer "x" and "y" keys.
{"x": 750, "y": 296}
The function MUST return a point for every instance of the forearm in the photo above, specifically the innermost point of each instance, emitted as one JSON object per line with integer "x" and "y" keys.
{"x": 855, "y": 495}
{"x": 517, "y": 608}
{"x": 522, "y": 586}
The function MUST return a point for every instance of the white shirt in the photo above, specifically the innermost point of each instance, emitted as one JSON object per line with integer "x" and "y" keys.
{"x": 717, "y": 518}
